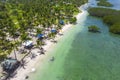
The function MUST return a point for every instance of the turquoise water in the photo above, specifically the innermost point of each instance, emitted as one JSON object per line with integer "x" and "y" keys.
{"x": 54, "y": 70}
{"x": 93, "y": 56}
{"x": 81, "y": 55}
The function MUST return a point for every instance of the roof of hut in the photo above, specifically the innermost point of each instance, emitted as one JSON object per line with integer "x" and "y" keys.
{"x": 9, "y": 64}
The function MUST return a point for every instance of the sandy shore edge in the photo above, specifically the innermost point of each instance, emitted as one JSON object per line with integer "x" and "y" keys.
{"x": 30, "y": 63}
{"x": 23, "y": 72}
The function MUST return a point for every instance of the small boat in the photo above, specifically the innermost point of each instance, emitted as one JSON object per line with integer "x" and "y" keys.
{"x": 52, "y": 59}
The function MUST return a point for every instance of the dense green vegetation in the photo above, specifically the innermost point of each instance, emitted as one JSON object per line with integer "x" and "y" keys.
{"x": 104, "y": 3}
{"x": 93, "y": 28}
{"x": 109, "y": 16}
{"x": 20, "y": 18}
{"x": 115, "y": 28}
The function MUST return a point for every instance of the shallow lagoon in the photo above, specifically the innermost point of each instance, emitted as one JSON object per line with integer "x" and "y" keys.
{"x": 81, "y": 55}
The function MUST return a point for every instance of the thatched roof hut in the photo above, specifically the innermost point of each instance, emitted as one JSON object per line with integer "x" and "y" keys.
{"x": 10, "y": 65}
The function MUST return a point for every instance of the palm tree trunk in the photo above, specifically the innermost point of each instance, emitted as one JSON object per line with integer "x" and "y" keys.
{"x": 15, "y": 51}
{"x": 15, "y": 55}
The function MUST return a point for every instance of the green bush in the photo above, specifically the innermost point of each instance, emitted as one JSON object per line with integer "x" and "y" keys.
{"x": 104, "y": 3}
{"x": 93, "y": 28}
{"x": 73, "y": 20}
{"x": 115, "y": 28}
{"x": 102, "y": 12}
{"x": 2, "y": 56}
{"x": 111, "y": 19}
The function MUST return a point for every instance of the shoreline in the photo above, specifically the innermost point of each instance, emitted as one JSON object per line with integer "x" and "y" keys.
{"x": 50, "y": 46}
{"x": 21, "y": 73}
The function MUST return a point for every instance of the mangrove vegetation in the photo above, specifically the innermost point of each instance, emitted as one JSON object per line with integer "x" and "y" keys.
{"x": 104, "y": 3}
{"x": 110, "y": 16}
{"x": 93, "y": 28}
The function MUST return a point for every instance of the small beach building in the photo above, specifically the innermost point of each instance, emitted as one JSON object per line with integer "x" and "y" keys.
{"x": 53, "y": 30}
{"x": 28, "y": 44}
{"x": 61, "y": 22}
{"x": 10, "y": 65}
{"x": 40, "y": 36}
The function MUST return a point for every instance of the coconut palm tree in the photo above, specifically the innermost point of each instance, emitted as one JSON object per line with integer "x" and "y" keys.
{"x": 29, "y": 14}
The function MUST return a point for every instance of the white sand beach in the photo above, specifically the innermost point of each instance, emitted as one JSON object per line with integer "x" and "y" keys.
{"x": 21, "y": 73}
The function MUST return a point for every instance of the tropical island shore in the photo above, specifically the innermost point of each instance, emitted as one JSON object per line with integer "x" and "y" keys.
{"x": 31, "y": 61}
{"x": 24, "y": 24}
{"x": 46, "y": 47}
{"x": 22, "y": 73}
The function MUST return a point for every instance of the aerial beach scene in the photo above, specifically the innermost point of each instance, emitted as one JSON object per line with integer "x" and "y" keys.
{"x": 60, "y": 39}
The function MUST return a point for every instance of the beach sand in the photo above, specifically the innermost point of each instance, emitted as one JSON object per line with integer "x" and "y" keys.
{"x": 30, "y": 64}
{"x": 21, "y": 73}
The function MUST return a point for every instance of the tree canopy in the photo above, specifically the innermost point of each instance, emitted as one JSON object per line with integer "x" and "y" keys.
{"x": 109, "y": 16}
{"x": 19, "y": 17}
{"x": 104, "y": 3}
